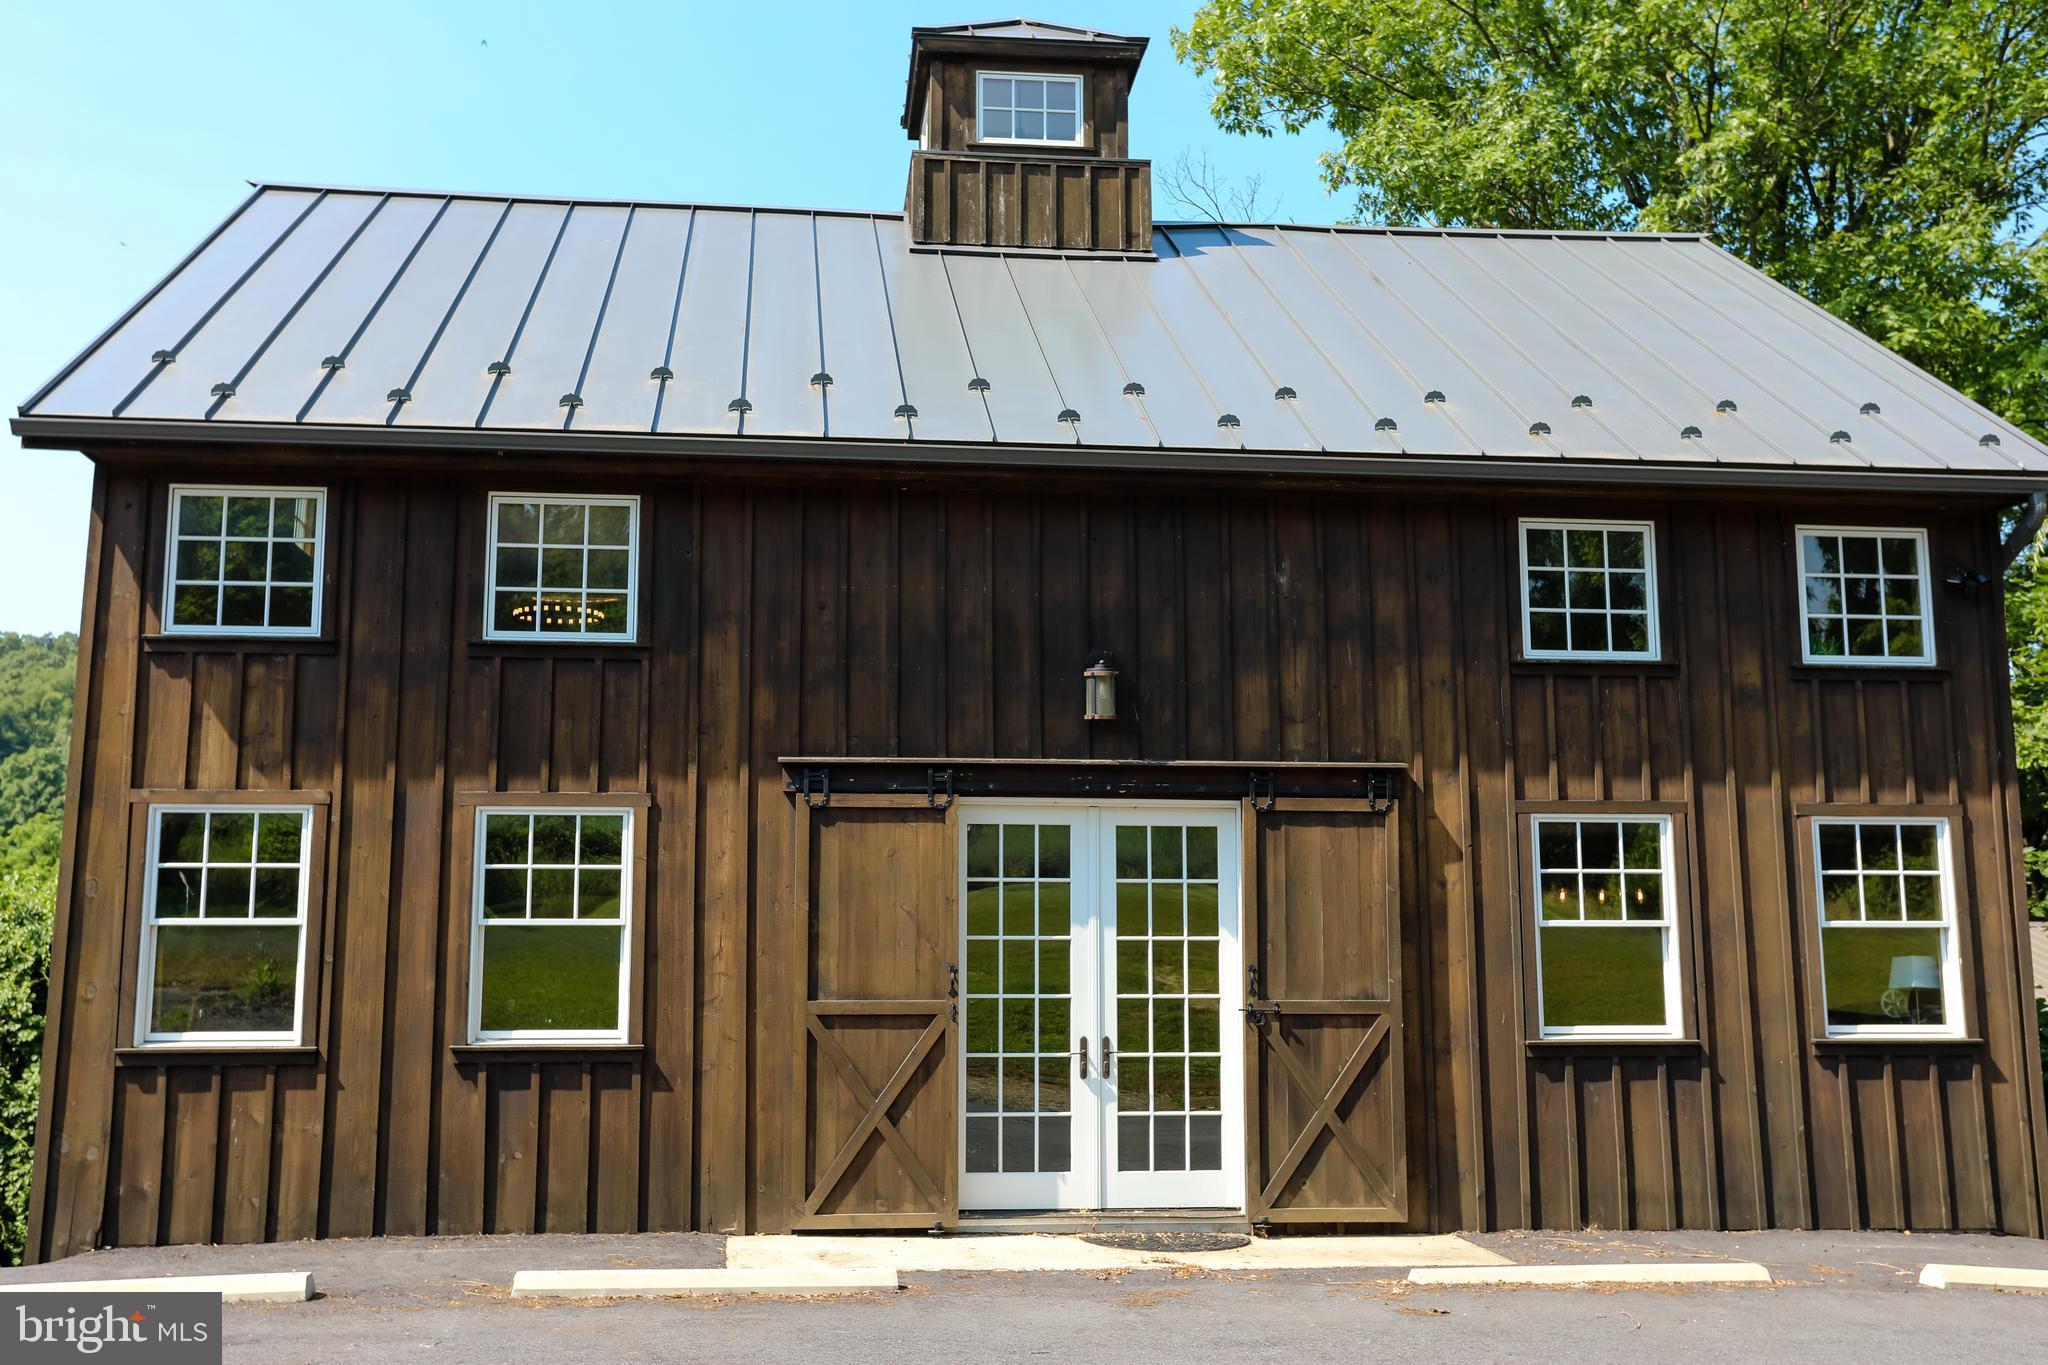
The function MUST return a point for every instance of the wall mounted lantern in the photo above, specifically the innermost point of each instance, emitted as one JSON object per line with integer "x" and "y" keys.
{"x": 1098, "y": 687}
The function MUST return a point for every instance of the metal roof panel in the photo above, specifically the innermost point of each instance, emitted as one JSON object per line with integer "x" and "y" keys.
{"x": 1084, "y": 367}
{"x": 1024, "y": 401}
{"x": 936, "y": 364}
{"x": 783, "y": 335}
{"x": 397, "y": 325}
{"x": 277, "y": 386}
{"x": 555, "y": 336}
{"x": 857, "y": 324}
{"x": 316, "y": 305}
{"x": 241, "y": 328}
{"x": 709, "y": 355}
{"x": 619, "y": 388}
{"x": 456, "y": 380}
{"x": 113, "y": 366}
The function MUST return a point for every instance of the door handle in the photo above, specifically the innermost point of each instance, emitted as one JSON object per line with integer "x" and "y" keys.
{"x": 1108, "y": 1056}
{"x": 1081, "y": 1055}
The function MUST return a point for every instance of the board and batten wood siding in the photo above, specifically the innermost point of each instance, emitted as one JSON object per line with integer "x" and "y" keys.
{"x": 865, "y": 618}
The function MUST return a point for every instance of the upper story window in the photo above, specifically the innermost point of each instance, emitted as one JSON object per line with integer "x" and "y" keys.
{"x": 224, "y": 924}
{"x": 562, "y": 568}
{"x": 1589, "y": 590}
{"x": 1864, "y": 596}
{"x": 245, "y": 561}
{"x": 1028, "y": 108}
{"x": 1606, "y": 940}
{"x": 1887, "y": 926}
{"x": 552, "y": 903}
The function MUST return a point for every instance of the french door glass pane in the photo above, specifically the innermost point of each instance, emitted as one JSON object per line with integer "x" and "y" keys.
{"x": 1169, "y": 1064}
{"x": 1019, "y": 992}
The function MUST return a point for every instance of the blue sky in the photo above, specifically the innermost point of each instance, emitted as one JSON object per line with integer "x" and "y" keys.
{"x": 128, "y": 130}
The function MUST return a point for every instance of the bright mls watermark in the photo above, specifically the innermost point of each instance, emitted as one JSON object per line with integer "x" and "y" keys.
{"x": 172, "y": 1329}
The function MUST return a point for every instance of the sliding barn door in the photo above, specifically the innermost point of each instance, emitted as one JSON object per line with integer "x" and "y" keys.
{"x": 1323, "y": 984}
{"x": 877, "y": 1036}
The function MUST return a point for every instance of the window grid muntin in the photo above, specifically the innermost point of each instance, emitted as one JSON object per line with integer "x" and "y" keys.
{"x": 177, "y": 577}
{"x": 1948, "y": 965}
{"x": 481, "y": 925}
{"x": 1004, "y": 1123}
{"x": 1665, "y": 922}
{"x": 1153, "y": 1125}
{"x": 1841, "y": 616}
{"x": 1607, "y": 572}
{"x": 986, "y": 129}
{"x": 153, "y": 920}
{"x": 540, "y": 545}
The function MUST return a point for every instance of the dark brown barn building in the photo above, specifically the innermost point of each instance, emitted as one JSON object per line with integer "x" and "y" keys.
{"x": 608, "y": 715}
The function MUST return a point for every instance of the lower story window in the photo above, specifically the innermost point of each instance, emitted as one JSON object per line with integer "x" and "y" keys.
{"x": 1887, "y": 926}
{"x": 224, "y": 924}
{"x": 552, "y": 907}
{"x": 1606, "y": 950}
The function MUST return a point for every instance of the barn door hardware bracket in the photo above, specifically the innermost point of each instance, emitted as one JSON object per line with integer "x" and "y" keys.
{"x": 1258, "y": 1011}
{"x": 1262, "y": 791}
{"x": 814, "y": 786}
{"x": 953, "y": 991}
{"x": 1379, "y": 791}
{"x": 1262, "y": 1227}
{"x": 938, "y": 787}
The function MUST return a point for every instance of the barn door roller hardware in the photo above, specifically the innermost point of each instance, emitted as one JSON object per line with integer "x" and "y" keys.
{"x": 938, "y": 787}
{"x": 1261, "y": 793}
{"x": 814, "y": 785}
{"x": 1379, "y": 791}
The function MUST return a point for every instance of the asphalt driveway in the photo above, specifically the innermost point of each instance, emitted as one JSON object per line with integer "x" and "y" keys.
{"x": 1839, "y": 1298}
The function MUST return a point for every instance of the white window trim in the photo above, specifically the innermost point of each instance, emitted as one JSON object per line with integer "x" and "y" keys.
{"x": 1925, "y": 659}
{"x": 1080, "y": 84}
{"x": 481, "y": 1037}
{"x": 1649, "y": 529}
{"x": 145, "y": 983}
{"x": 1674, "y": 1015}
{"x": 1951, "y": 959}
{"x": 167, "y": 623}
{"x": 628, "y": 501}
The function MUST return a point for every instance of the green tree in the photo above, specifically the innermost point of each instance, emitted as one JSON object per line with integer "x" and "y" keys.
{"x": 1886, "y": 158}
{"x": 25, "y": 907}
{"x": 35, "y": 734}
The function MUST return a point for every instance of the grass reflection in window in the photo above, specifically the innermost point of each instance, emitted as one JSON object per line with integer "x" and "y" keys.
{"x": 1604, "y": 926}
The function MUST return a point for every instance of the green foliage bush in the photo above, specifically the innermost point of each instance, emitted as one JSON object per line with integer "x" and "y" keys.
{"x": 26, "y": 900}
{"x": 35, "y": 731}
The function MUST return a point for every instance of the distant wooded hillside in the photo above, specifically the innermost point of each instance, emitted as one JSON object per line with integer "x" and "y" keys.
{"x": 35, "y": 736}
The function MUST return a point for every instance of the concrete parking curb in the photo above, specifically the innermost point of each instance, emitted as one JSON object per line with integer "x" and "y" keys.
{"x": 1983, "y": 1277}
{"x": 621, "y": 1283}
{"x": 1696, "y": 1272}
{"x": 293, "y": 1286}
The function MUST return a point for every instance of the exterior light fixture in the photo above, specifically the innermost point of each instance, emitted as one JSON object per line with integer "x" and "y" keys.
{"x": 1098, "y": 687}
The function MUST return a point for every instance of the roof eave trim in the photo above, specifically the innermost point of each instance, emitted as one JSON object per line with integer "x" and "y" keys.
{"x": 71, "y": 433}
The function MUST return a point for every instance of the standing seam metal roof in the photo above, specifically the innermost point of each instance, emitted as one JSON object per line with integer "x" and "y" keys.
{"x": 416, "y": 313}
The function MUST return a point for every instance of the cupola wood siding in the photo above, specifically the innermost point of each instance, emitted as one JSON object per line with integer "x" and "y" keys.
{"x": 1053, "y": 174}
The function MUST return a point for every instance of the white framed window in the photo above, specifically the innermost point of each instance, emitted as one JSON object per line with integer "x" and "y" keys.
{"x": 1027, "y": 107}
{"x": 1887, "y": 927}
{"x": 244, "y": 561}
{"x": 562, "y": 568}
{"x": 224, "y": 925}
{"x": 1589, "y": 589}
{"x": 552, "y": 910}
{"x": 1606, "y": 926}
{"x": 1864, "y": 596}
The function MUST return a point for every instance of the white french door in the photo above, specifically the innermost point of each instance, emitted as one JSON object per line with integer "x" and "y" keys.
{"x": 1101, "y": 1045}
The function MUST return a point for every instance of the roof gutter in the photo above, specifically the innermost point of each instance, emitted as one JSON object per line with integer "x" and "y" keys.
{"x": 2025, "y": 529}
{"x": 79, "y": 433}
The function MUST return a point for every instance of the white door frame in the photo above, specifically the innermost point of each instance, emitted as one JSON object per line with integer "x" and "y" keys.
{"x": 1092, "y": 1180}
